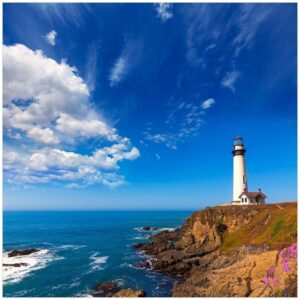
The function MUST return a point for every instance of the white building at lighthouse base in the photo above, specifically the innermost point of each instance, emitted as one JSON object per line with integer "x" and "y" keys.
{"x": 252, "y": 198}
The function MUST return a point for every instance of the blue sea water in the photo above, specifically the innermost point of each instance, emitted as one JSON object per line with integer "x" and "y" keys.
{"x": 81, "y": 249}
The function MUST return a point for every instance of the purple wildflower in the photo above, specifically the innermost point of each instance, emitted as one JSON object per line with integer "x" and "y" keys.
{"x": 266, "y": 280}
{"x": 275, "y": 281}
{"x": 289, "y": 252}
{"x": 286, "y": 267}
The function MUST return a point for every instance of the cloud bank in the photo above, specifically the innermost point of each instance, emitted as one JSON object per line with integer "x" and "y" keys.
{"x": 47, "y": 109}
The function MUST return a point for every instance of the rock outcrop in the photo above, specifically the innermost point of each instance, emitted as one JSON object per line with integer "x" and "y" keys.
{"x": 229, "y": 251}
{"x": 112, "y": 289}
{"x": 22, "y": 252}
{"x": 16, "y": 265}
{"x": 130, "y": 293}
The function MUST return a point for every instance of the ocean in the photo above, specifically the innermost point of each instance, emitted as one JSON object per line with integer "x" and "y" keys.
{"x": 80, "y": 249}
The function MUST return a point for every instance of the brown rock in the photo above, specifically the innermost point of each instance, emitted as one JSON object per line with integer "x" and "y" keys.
{"x": 130, "y": 293}
{"x": 22, "y": 252}
{"x": 146, "y": 228}
{"x": 15, "y": 265}
{"x": 106, "y": 287}
{"x": 142, "y": 265}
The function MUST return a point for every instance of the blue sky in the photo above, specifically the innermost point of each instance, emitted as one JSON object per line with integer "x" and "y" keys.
{"x": 134, "y": 106}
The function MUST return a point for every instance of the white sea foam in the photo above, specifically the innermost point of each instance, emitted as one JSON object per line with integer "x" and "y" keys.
{"x": 72, "y": 247}
{"x": 154, "y": 229}
{"x": 142, "y": 237}
{"x": 66, "y": 285}
{"x": 98, "y": 262}
{"x": 33, "y": 261}
{"x": 120, "y": 282}
{"x": 164, "y": 229}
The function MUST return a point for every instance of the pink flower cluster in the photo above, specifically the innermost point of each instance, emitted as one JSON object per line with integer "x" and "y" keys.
{"x": 269, "y": 277}
{"x": 286, "y": 254}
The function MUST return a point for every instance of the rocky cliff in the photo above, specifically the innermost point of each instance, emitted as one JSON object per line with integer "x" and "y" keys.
{"x": 230, "y": 251}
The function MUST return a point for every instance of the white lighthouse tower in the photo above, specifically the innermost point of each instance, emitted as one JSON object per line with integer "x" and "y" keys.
{"x": 241, "y": 195}
{"x": 239, "y": 170}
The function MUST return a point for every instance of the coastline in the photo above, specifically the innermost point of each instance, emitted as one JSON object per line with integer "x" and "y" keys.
{"x": 228, "y": 251}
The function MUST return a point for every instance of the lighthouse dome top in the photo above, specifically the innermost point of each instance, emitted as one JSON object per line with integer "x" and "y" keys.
{"x": 238, "y": 141}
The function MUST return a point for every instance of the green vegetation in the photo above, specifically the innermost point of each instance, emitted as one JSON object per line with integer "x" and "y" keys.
{"x": 274, "y": 225}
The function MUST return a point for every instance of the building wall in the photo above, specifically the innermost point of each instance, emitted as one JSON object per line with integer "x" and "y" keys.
{"x": 250, "y": 201}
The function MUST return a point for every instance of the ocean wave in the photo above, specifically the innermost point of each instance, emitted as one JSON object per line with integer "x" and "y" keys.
{"x": 154, "y": 229}
{"x": 142, "y": 237}
{"x": 28, "y": 264}
{"x": 98, "y": 262}
{"x": 84, "y": 295}
{"x": 98, "y": 259}
{"x": 66, "y": 285}
{"x": 120, "y": 282}
{"x": 70, "y": 247}
{"x": 164, "y": 229}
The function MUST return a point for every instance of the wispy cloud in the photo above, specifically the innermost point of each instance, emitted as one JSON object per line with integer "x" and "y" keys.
{"x": 183, "y": 121}
{"x": 230, "y": 79}
{"x": 118, "y": 71}
{"x": 208, "y": 37}
{"x": 51, "y": 37}
{"x": 164, "y": 11}
{"x": 250, "y": 18}
{"x": 207, "y": 103}
{"x": 92, "y": 65}
{"x": 64, "y": 13}
{"x": 128, "y": 59}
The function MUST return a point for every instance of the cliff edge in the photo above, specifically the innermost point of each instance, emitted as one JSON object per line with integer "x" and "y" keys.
{"x": 230, "y": 251}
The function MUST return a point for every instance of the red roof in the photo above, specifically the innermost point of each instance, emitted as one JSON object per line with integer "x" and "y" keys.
{"x": 253, "y": 194}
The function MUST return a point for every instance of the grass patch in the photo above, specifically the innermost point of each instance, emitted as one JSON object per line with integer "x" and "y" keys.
{"x": 274, "y": 226}
{"x": 277, "y": 226}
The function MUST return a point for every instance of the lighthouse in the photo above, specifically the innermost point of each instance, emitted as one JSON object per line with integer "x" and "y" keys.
{"x": 239, "y": 169}
{"x": 241, "y": 196}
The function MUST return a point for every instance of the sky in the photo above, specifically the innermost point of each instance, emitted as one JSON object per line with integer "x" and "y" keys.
{"x": 135, "y": 106}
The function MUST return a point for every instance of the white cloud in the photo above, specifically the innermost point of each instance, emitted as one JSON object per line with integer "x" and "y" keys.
{"x": 157, "y": 156}
{"x": 230, "y": 79}
{"x": 86, "y": 128}
{"x": 164, "y": 11}
{"x": 42, "y": 135}
{"x": 207, "y": 103}
{"x": 47, "y": 103}
{"x": 118, "y": 71}
{"x": 50, "y": 37}
{"x": 51, "y": 164}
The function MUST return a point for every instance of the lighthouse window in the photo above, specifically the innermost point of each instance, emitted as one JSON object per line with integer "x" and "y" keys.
{"x": 244, "y": 178}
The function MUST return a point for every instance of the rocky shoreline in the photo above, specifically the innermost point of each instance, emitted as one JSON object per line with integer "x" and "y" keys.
{"x": 229, "y": 251}
{"x": 233, "y": 251}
